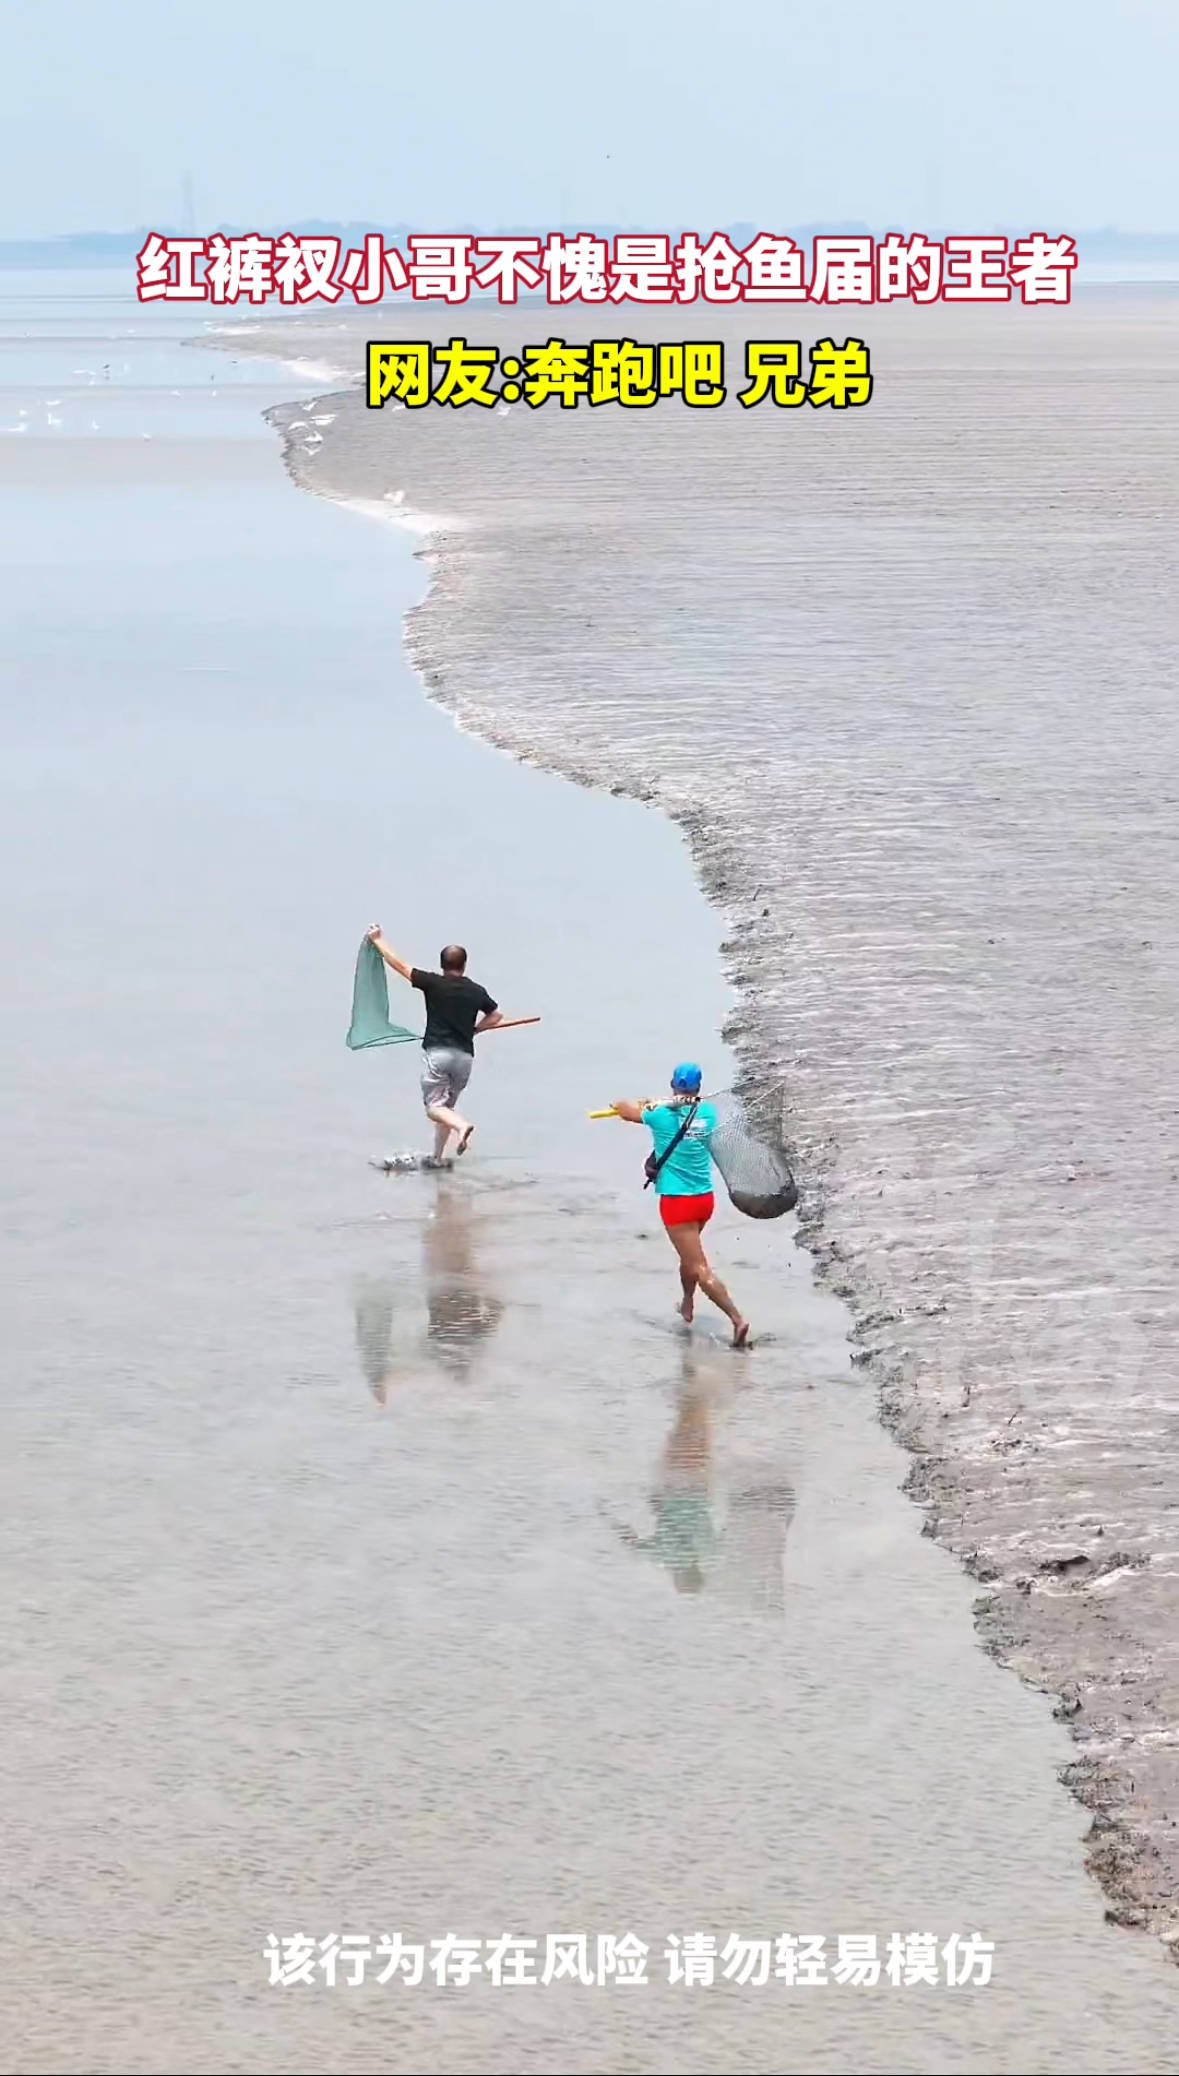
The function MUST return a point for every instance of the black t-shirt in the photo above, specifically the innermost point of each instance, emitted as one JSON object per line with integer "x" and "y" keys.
{"x": 453, "y": 1006}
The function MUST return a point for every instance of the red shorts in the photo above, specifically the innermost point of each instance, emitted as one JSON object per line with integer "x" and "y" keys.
{"x": 687, "y": 1210}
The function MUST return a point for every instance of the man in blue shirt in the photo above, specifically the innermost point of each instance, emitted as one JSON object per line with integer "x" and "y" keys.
{"x": 682, "y": 1174}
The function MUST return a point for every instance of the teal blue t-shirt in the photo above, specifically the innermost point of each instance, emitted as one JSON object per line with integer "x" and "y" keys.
{"x": 688, "y": 1172}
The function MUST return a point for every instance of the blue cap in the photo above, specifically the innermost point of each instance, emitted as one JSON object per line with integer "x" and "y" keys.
{"x": 687, "y": 1078}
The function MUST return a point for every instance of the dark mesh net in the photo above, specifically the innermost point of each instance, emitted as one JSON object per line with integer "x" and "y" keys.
{"x": 756, "y": 1172}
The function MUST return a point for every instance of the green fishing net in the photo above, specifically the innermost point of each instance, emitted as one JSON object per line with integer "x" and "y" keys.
{"x": 370, "y": 1005}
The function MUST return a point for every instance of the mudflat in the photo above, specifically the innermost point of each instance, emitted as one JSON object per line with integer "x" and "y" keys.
{"x": 906, "y": 676}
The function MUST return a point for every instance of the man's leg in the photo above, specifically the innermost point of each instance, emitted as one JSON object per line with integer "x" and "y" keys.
{"x": 688, "y": 1244}
{"x": 688, "y": 1300}
{"x": 687, "y": 1303}
{"x": 460, "y": 1074}
{"x": 444, "y": 1077}
{"x": 442, "y": 1135}
{"x": 686, "y": 1241}
{"x": 447, "y": 1125}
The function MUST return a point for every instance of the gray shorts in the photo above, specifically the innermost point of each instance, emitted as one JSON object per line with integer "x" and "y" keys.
{"x": 445, "y": 1075}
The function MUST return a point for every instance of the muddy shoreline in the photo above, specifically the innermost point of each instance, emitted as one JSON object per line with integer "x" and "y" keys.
{"x": 1041, "y": 1450}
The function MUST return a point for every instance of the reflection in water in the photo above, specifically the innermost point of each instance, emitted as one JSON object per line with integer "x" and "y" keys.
{"x": 730, "y": 1540}
{"x": 374, "y": 1303}
{"x": 461, "y": 1312}
{"x": 751, "y": 1567}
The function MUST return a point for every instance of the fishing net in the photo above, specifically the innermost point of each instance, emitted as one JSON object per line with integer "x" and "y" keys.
{"x": 756, "y": 1172}
{"x": 370, "y": 1004}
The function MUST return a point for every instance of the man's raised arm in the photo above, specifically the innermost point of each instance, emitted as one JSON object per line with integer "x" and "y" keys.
{"x": 390, "y": 957}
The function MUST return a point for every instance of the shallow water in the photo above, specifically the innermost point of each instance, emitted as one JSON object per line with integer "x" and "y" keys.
{"x": 322, "y": 1489}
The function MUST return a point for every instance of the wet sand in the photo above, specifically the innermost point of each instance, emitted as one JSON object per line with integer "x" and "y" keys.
{"x": 907, "y": 680}
{"x": 339, "y": 1582}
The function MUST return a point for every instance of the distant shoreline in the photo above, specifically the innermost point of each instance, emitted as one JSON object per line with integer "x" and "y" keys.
{"x": 100, "y": 250}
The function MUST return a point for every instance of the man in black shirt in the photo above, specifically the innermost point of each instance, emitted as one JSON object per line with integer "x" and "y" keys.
{"x": 457, "y": 1009}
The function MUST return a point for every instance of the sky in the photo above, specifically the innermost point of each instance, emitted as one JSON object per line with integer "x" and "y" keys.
{"x": 1048, "y": 114}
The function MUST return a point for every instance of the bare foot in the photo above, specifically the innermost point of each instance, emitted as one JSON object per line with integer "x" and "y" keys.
{"x": 741, "y": 1334}
{"x": 687, "y": 1308}
{"x": 466, "y": 1139}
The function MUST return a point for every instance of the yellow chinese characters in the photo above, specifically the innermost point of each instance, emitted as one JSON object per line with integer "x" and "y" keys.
{"x": 695, "y": 371}
{"x": 415, "y": 372}
{"x": 401, "y": 371}
{"x": 622, "y": 372}
{"x": 840, "y": 375}
{"x": 772, "y": 366}
{"x": 557, "y": 370}
{"x": 467, "y": 374}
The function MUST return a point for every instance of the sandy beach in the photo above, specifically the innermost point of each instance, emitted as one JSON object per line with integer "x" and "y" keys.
{"x": 906, "y": 679}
